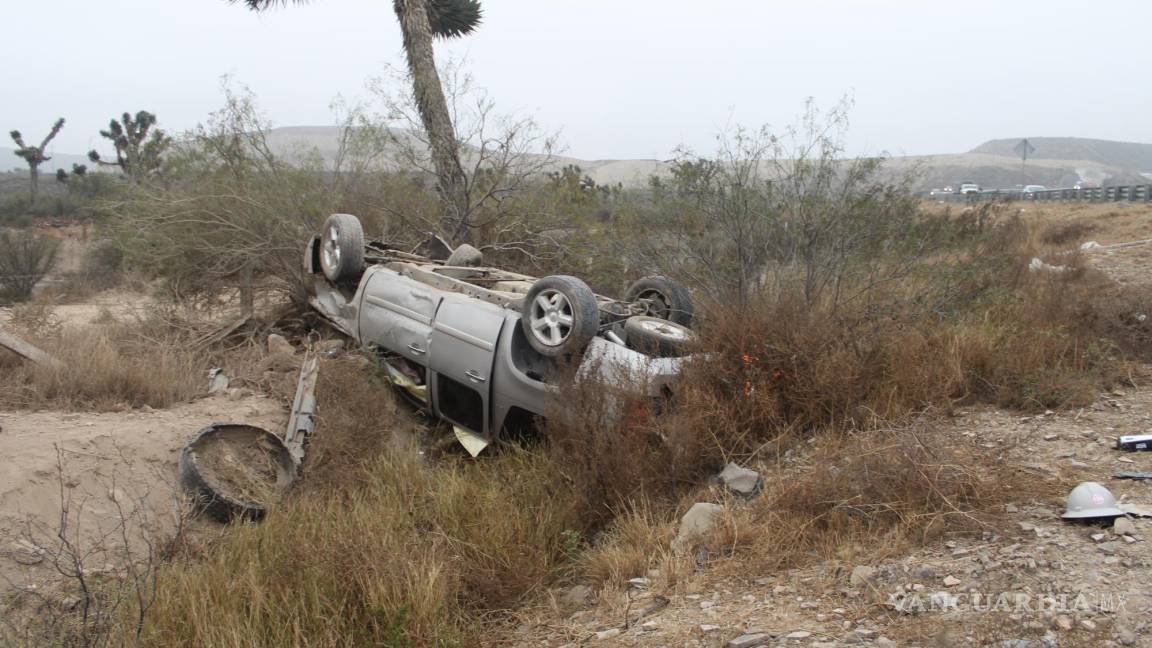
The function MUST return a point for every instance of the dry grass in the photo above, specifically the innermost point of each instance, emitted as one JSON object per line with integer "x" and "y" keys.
{"x": 97, "y": 370}
{"x": 377, "y": 547}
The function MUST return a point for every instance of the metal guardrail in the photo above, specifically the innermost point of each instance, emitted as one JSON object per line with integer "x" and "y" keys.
{"x": 1128, "y": 193}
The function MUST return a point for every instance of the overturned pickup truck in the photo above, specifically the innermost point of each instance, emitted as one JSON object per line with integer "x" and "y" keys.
{"x": 481, "y": 347}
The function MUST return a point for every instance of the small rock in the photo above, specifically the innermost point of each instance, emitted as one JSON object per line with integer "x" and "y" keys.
{"x": 1063, "y": 622}
{"x": 576, "y": 596}
{"x": 704, "y": 605}
{"x": 1123, "y": 526}
{"x": 607, "y": 634}
{"x": 26, "y": 553}
{"x": 799, "y": 634}
{"x": 698, "y": 521}
{"x": 739, "y": 480}
{"x": 861, "y": 574}
{"x": 639, "y": 583}
{"x": 279, "y": 345}
{"x": 704, "y": 627}
{"x": 951, "y": 581}
{"x": 885, "y": 642}
{"x": 750, "y": 640}
{"x": 1109, "y": 547}
{"x": 1088, "y": 624}
{"x": 1126, "y": 637}
{"x": 1099, "y": 537}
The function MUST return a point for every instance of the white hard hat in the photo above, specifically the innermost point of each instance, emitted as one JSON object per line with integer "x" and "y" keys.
{"x": 1091, "y": 500}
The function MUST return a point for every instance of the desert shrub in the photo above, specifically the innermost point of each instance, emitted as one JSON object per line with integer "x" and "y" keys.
{"x": 25, "y": 258}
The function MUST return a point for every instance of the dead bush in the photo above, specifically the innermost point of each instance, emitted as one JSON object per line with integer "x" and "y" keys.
{"x": 25, "y": 257}
{"x": 1063, "y": 234}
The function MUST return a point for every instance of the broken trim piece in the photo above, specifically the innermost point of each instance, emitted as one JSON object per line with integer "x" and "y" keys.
{"x": 26, "y": 350}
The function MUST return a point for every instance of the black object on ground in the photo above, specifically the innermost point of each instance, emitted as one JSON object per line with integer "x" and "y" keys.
{"x": 235, "y": 470}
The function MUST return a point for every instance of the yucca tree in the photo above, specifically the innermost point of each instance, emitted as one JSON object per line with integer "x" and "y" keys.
{"x": 34, "y": 156}
{"x": 420, "y": 22}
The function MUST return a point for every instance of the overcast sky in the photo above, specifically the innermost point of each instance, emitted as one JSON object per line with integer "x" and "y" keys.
{"x": 619, "y": 78}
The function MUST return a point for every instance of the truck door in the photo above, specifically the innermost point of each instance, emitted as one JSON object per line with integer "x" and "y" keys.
{"x": 463, "y": 349}
{"x": 397, "y": 313}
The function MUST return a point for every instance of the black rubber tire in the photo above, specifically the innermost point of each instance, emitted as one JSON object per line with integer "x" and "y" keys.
{"x": 211, "y": 498}
{"x": 658, "y": 336}
{"x": 342, "y": 248}
{"x": 584, "y": 313}
{"x": 466, "y": 256}
{"x": 671, "y": 300}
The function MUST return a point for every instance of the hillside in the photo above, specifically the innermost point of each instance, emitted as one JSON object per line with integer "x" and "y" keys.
{"x": 1125, "y": 155}
{"x": 9, "y": 161}
{"x": 1057, "y": 162}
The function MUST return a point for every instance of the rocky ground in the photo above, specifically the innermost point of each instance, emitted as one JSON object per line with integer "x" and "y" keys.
{"x": 1046, "y": 581}
{"x": 1040, "y": 584}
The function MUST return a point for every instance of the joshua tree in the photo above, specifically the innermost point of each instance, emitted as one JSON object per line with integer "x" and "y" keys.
{"x": 34, "y": 156}
{"x": 420, "y": 22}
{"x": 139, "y": 147}
{"x": 78, "y": 170}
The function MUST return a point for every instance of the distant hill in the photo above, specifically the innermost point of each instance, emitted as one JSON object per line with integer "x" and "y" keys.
{"x": 1057, "y": 162}
{"x": 9, "y": 161}
{"x": 1123, "y": 155}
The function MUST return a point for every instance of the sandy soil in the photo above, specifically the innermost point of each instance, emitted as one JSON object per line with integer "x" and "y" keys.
{"x": 107, "y": 467}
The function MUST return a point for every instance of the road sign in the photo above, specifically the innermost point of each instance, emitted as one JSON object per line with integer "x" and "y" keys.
{"x": 1024, "y": 149}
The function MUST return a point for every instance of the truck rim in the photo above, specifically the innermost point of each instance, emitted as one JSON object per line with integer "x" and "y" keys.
{"x": 551, "y": 317}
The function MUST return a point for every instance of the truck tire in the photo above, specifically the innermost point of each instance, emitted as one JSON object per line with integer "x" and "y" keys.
{"x": 657, "y": 336}
{"x": 667, "y": 299}
{"x": 215, "y": 497}
{"x": 560, "y": 315}
{"x": 342, "y": 248}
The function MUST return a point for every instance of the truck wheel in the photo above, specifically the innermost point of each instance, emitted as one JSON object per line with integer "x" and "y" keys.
{"x": 657, "y": 336}
{"x": 342, "y": 248}
{"x": 560, "y": 315}
{"x": 667, "y": 299}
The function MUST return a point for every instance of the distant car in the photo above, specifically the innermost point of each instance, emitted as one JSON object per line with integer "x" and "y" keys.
{"x": 1028, "y": 190}
{"x": 1086, "y": 184}
{"x": 969, "y": 188}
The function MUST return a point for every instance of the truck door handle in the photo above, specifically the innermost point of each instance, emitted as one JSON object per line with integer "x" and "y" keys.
{"x": 415, "y": 349}
{"x": 476, "y": 377}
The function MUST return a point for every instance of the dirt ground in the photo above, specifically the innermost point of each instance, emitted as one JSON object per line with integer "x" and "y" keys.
{"x": 109, "y": 468}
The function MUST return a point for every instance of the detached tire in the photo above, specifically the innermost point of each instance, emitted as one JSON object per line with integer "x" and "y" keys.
{"x": 560, "y": 315}
{"x": 342, "y": 248}
{"x": 667, "y": 299}
{"x": 658, "y": 337}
